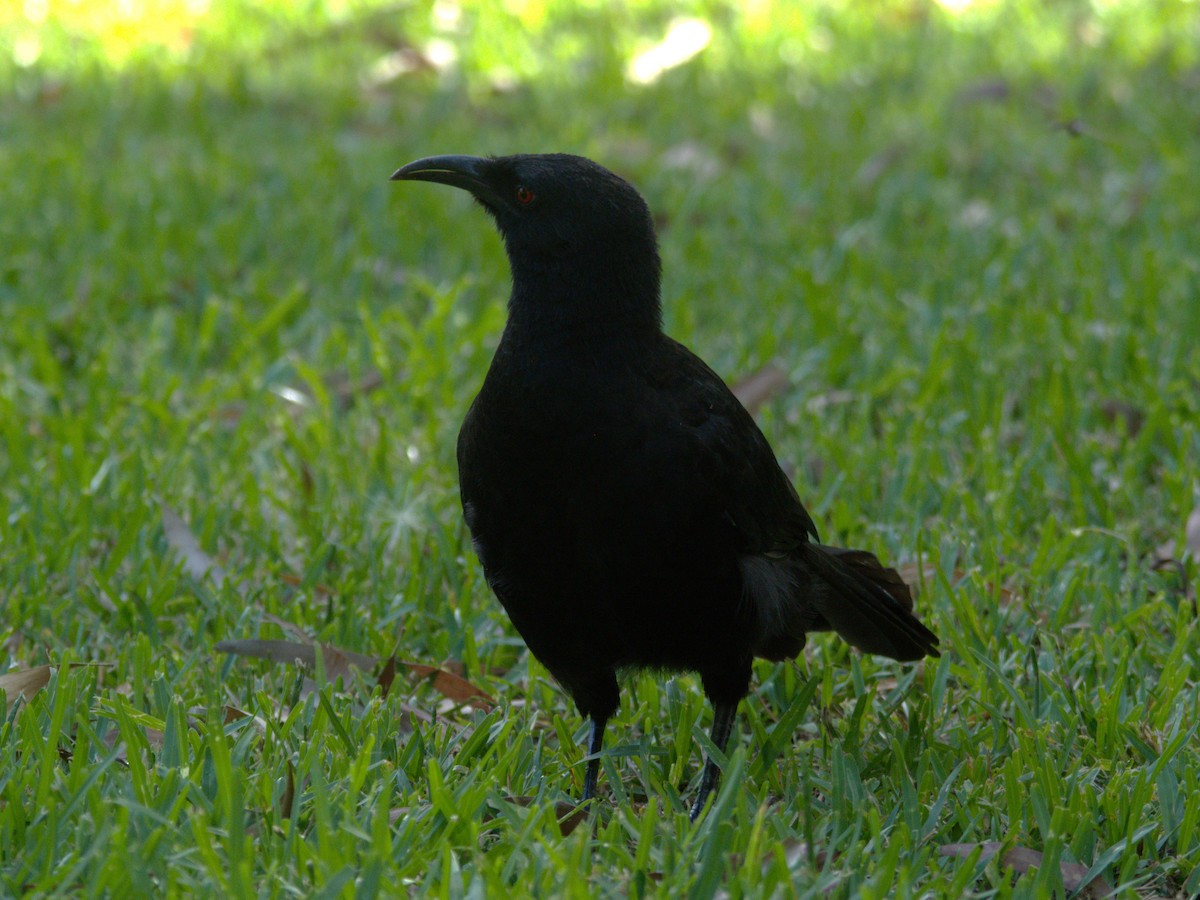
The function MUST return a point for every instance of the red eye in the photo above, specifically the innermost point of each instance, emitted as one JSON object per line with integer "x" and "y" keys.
{"x": 524, "y": 196}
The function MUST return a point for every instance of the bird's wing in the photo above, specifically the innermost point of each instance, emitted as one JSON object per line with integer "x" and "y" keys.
{"x": 796, "y": 585}
{"x": 729, "y": 464}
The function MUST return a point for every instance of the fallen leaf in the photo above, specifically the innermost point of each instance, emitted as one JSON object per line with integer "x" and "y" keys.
{"x": 568, "y": 814}
{"x": 569, "y": 817}
{"x": 795, "y": 852}
{"x": 196, "y": 563}
{"x": 993, "y": 90}
{"x": 413, "y": 713}
{"x": 289, "y": 628}
{"x": 25, "y": 681}
{"x": 233, "y": 714}
{"x": 229, "y": 414}
{"x": 1022, "y": 859}
{"x": 337, "y": 661}
{"x": 296, "y": 581}
{"x": 830, "y": 398}
{"x": 1073, "y": 127}
{"x": 754, "y": 390}
{"x": 387, "y": 675}
{"x": 289, "y": 793}
{"x": 344, "y": 389}
{"x": 451, "y": 686}
{"x": 874, "y": 168}
{"x": 1170, "y": 556}
{"x": 28, "y": 682}
{"x": 1132, "y": 416}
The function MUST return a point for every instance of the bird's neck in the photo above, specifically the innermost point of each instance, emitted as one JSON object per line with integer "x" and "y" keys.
{"x": 552, "y": 338}
{"x": 552, "y": 302}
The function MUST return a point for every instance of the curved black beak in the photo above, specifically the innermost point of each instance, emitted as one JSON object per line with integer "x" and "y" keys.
{"x": 466, "y": 172}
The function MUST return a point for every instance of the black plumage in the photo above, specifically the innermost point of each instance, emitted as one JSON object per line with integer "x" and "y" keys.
{"x": 626, "y": 508}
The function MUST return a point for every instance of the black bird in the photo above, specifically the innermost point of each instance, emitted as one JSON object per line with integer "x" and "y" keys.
{"x": 627, "y": 510}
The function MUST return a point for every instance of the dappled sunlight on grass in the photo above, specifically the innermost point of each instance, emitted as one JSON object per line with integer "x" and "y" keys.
{"x": 505, "y": 40}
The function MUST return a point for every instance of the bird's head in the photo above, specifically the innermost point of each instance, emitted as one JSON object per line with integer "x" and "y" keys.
{"x": 564, "y": 219}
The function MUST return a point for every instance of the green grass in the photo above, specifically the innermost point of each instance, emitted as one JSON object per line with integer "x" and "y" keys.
{"x": 967, "y": 239}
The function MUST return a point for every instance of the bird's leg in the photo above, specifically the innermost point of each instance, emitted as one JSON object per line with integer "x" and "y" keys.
{"x": 723, "y": 713}
{"x": 595, "y": 743}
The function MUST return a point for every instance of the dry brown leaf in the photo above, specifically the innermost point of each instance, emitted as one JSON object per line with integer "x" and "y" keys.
{"x": 830, "y": 398}
{"x": 29, "y": 681}
{"x": 992, "y": 90}
{"x": 296, "y": 581}
{"x": 1073, "y": 127}
{"x": 344, "y": 389}
{"x": 1169, "y": 552}
{"x": 874, "y": 167}
{"x": 413, "y": 713}
{"x": 451, "y": 686}
{"x": 289, "y": 628}
{"x": 196, "y": 563}
{"x": 796, "y": 852}
{"x": 24, "y": 681}
{"x": 1022, "y": 859}
{"x": 338, "y": 662}
{"x": 569, "y": 815}
{"x": 387, "y": 675}
{"x": 1170, "y": 556}
{"x": 289, "y": 793}
{"x": 277, "y": 651}
{"x": 755, "y": 390}
{"x": 197, "y": 715}
{"x": 1119, "y": 410}
{"x": 229, "y": 414}
{"x": 915, "y": 574}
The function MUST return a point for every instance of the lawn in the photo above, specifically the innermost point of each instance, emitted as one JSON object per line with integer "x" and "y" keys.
{"x": 234, "y": 359}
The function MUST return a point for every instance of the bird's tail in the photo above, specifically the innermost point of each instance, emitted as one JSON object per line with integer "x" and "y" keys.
{"x": 869, "y": 605}
{"x": 820, "y": 588}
